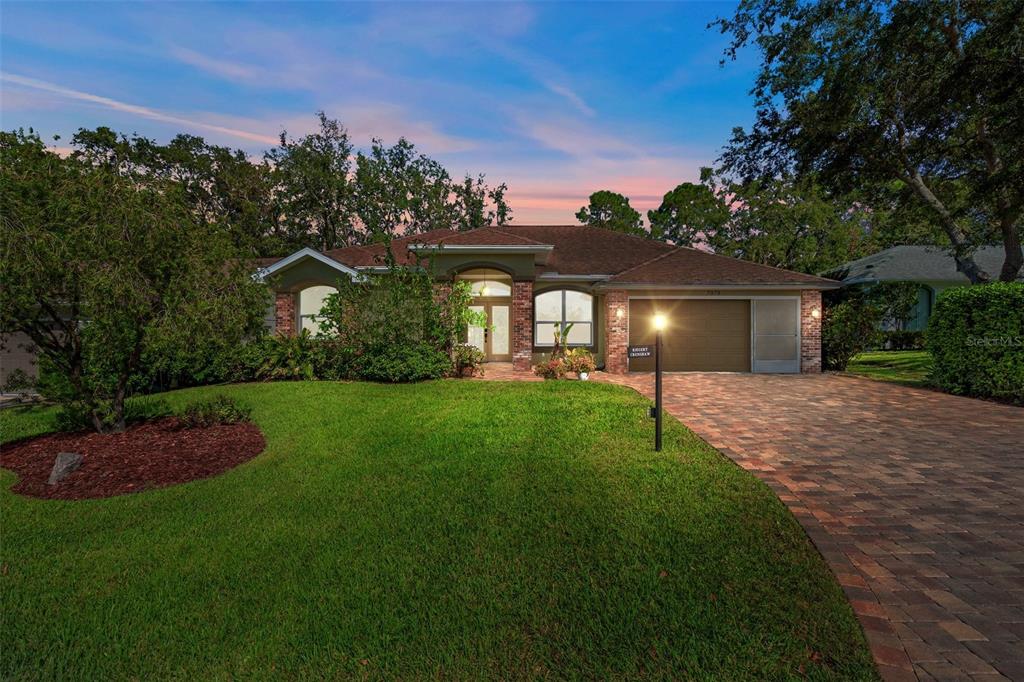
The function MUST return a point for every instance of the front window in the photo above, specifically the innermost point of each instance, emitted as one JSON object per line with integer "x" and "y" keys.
{"x": 311, "y": 300}
{"x": 557, "y": 310}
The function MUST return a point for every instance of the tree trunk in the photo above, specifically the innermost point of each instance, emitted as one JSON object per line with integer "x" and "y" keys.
{"x": 1011, "y": 246}
{"x": 964, "y": 259}
{"x": 118, "y": 404}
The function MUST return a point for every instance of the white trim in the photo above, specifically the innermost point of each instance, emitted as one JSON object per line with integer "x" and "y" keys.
{"x": 752, "y": 298}
{"x": 732, "y": 297}
{"x": 483, "y": 248}
{"x": 556, "y": 277}
{"x": 299, "y": 255}
{"x": 612, "y": 285}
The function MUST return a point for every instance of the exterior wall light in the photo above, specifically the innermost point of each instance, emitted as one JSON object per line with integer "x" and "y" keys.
{"x": 815, "y": 313}
{"x": 619, "y": 312}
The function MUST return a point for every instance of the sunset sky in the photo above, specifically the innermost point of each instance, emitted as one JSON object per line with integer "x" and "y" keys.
{"x": 557, "y": 100}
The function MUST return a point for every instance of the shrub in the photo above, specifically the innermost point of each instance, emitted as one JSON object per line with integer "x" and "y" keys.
{"x": 580, "y": 360}
{"x": 19, "y": 383}
{"x": 976, "y": 338}
{"x": 902, "y": 339}
{"x": 468, "y": 356}
{"x": 847, "y": 328}
{"x": 373, "y": 325}
{"x": 397, "y": 364}
{"x": 551, "y": 369}
{"x": 218, "y": 410}
{"x": 75, "y": 416}
{"x": 289, "y": 358}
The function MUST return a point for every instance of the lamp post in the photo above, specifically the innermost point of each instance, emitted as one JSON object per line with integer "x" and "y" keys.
{"x": 659, "y": 326}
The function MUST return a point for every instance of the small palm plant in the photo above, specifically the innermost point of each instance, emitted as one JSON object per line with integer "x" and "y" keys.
{"x": 289, "y": 358}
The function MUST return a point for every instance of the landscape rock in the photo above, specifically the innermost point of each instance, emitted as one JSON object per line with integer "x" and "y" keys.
{"x": 65, "y": 463}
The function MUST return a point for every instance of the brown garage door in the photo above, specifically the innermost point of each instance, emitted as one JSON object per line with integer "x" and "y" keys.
{"x": 700, "y": 336}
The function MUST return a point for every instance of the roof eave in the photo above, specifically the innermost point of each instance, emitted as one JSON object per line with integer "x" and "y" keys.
{"x": 539, "y": 251}
{"x": 719, "y": 285}
{"x": 293, "y": 259}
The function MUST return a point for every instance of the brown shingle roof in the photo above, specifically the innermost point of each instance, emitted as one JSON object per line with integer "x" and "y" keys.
{"x": 686, "y": 267}
{"x": 585, "y": 250}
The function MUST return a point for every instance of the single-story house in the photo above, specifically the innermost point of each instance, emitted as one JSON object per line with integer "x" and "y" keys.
{"x": 723, "y": 314}
{"x": 933, "y": 268}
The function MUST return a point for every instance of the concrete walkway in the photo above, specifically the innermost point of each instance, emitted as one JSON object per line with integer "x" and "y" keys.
{"x": 915, "y": 498}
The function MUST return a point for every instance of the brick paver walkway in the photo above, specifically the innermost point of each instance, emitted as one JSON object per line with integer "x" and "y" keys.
{"x": 915, "y": 498}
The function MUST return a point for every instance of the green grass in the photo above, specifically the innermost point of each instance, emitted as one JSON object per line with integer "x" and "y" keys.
{"x": 909, "y": 367}
{"x": 449, "y": 529}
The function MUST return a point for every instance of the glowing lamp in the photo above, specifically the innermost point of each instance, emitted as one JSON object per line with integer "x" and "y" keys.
{"x": 660, "y": 322}
{"x": 815, "y": 313}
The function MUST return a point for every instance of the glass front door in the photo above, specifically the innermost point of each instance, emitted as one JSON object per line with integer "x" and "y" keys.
{"x": 495, "y": 340}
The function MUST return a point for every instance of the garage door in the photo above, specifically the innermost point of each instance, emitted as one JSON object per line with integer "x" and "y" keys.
{"x": 701, "y": 335}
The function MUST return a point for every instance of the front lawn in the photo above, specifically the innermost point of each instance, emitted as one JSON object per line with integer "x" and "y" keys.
{"x": 458, "y": 530}
{"x": 909, "y": 367}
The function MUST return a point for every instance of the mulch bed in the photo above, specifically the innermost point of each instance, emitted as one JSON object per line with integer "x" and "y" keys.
{"x": 150, "y": 455}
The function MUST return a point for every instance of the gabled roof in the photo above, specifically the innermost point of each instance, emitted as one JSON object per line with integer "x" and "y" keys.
{"x": 915, "y": 264}
{"x": 301, "y": 255}
{"x": 581, "y": 250}
{"x": 692, "y": 267}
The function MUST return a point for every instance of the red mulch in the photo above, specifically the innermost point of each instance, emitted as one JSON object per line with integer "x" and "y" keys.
{"x": 151, "y": 455}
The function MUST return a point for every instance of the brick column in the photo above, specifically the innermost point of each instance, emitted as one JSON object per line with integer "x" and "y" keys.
{"x": 616, "y": 332}
{"x": 284, "y": 313}
{"x": 810, "y": 331}
{"x": 522, "y": 326}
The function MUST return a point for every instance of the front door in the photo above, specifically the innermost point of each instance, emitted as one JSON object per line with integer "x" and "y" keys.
{"x": 495, "y": 340}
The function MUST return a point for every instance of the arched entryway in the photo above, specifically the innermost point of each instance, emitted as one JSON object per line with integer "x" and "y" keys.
{"x": 492, "y": 295}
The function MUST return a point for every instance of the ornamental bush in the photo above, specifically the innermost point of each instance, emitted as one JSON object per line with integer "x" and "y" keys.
{"x": 976, "y": 339}
{"x": 218, "y": 410}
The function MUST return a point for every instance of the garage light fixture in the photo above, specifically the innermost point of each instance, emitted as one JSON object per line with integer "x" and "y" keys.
{"x": 815, "y": 313}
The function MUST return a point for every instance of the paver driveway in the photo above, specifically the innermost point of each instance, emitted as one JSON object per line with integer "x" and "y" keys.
{"x": 915, "y": 498}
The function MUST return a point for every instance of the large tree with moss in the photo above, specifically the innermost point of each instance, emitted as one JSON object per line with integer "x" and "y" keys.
{"x": 862, "y": 94}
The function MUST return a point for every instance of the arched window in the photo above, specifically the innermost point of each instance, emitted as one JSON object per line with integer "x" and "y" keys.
{"x": 311, "y": 300}
{"x": 558, "y": 309}
{"x": 488, "y": 282}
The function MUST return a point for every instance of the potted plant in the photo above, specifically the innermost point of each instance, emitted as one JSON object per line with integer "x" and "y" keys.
{"x": 469, "y": 360}
{"x": 580, "y": 361}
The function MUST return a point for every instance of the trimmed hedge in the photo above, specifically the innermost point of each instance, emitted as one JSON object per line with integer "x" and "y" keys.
{"x": 976, "y": 338}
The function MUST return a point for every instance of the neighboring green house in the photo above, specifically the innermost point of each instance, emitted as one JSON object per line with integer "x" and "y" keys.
{"x": 931, "y": 267}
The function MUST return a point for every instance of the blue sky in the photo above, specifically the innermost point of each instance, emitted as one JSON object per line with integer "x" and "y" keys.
{"x": 558, "y": 100}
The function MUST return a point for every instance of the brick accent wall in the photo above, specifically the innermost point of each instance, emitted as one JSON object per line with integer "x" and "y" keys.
{"x": 442, "y": 290}
{"x": 616, "y": 332}
{"x": 284, "y": 314}
{"x": 522, "y": 326}
{"x": 810, "y": 331}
